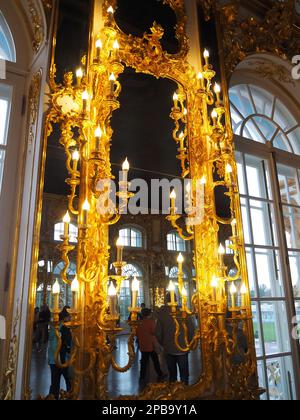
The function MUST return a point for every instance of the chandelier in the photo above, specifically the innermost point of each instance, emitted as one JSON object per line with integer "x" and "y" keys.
{"x": 83, "y": 107}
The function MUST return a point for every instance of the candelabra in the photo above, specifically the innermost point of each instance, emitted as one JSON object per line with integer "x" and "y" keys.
{"x": 83, "y": 109}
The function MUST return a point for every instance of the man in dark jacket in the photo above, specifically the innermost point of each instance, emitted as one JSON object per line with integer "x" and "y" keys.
{"x": 165, "y": 333}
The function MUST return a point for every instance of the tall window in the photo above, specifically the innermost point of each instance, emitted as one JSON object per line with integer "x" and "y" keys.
{"x": 59, "y": 232}
{"x": 130, "y": 271}
{"x": 131, "y": 237}
{"x": 5, "y": 105}
{"x": 7, "y": 46}
{"x": 175, "y": 243}
{"x": 263, "y": 182}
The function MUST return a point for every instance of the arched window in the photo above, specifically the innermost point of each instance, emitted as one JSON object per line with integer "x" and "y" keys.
{"x": 259, "y": 115}
{"x": 175, "y": 243}
{"x": 59, "y": 267}
{"x": 173, "y": 274}
{"x": 270, "y": 202}
{"x": 130, "y": 271}
{"x": 59, "y": 232}
{"x": 5, "y": 106}
{"x": 131, "y": 237}
{"x": 7, "y": 45}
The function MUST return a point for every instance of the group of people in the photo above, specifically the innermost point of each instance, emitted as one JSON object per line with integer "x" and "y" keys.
{"x": 156, "y": 335}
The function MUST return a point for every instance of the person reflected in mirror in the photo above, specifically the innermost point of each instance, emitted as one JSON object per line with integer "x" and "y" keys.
{"x": 43, "y": 327}
{"x": 165, "y": 333}
{"x": 148, "y": 347}
{"x": 36, "y": 327}
{"x": 64, "y": 355}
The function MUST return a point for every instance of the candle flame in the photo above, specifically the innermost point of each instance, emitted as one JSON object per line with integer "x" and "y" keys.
{"x": 75, "y": 285}
{"x": 67, "y": 218}
{"x": 56, "y": 288}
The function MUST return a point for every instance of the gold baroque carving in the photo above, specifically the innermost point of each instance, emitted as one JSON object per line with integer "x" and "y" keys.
{"x": 10, "y": 373}
{"x": 273, "y": 34}
{"x": 34, "y": 97}
{"x": 37, "y": 25}
{"x": 272, "y": 71}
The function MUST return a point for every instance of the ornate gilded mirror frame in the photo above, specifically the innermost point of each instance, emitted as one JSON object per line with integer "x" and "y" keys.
{"x": 83, "y": 111}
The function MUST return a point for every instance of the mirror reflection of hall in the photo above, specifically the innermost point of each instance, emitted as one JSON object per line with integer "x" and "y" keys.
{"x": 139, "y": 300}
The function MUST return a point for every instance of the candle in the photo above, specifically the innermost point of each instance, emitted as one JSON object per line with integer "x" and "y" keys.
{"x": 217, "y": 90}
{"x": 172, "y": 293}
{"x": 85, "y": 98}
{"x": 135, "y": 288}
{"x": 214, "y": 285}
{"x": 66, "y": 221}
{"x": 244, "y": 292}
{"x": 175, "y": 99}
{"x": 75, "y": 158}
{"x": 116, "y": 48}
{"x": 180, "y": 261}
{"x": 112, "y": 293}
{"x": 125, "y": 170}
{"x": 173, "y": 200}
{"x": 75, "y": 292}
{"x": 98, "y": 49}
{"x": 233, "y": 291}
{"x": 79, "y": 76}
{"x": 112, "y": 79}
{"x": 206, "y": 57}
{"x": 201, "y": 78}
{"x": 110, "y": 12}
{"x": 184, "y": 299}
{"x": 55, "y": 294}
{"x": 233, "y": 225}
{"x": 214, "y": 116}
{"x": 119, "y": 250}
{"x": 86, "y": 208}
{"x": 221, "y": 252}
{"x": 98, "y": 136}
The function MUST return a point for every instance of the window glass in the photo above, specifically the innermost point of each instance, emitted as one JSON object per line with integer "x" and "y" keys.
{"x": 59, "y": 232}
{"x": 175, "y": 243}
{"x": 7, "y": 46}
{"x": 131, "y": 237}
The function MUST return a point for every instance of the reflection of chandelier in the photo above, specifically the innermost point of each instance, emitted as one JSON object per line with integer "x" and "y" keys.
{"x": 83, "y": 113}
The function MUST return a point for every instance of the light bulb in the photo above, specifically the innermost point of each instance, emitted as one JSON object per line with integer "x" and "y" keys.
{"x": 85, "y": 95}
{"x": 75, "y": 286}
{"x": 79, "y": 73}
{"x": 116, "y": 45}
{"x": 206, "y": 54}
{"x": 119, "y": 242}
{"x": 233, "y": 289}
{"x": 175, "y": 97}
{"x": 110, "y": 10}
{"x": 86, "y": 206}
{"x": 173, "y": 195}
{"x": 125, "y": 166}
{"x": 214, "y": 282}
{"x": 221, "y": 250}
{"x": 184, "y": 292}
{"x": 214, "y": 114}
{"x": 217, "y": 88}
{"x": 244, "y": 289}
{"x": 181, "y": 135}
{"x": 234, "y": 222}
{"x": 112, "y": 291}
{"x": 112, "y": 78}
{"x": 171, "y": 286}
{"x": 99, "y": 44}
{"x": 56, "y": 288}
{"x": 180, "y": 259}
{"x": 98, "y": 132}
{"x": 200, "y": 75}
{"x": 75, "y": 155}
{"x": 67, "y": 218}
{"x": 229, "y": 168}
{"x": 135, "y": 285}
{"x": 185, "y": 111}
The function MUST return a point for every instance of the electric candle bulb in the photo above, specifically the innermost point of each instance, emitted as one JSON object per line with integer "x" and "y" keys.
{"x": 201, "y": 78}
{"x": 221, "y": 252}
{"x": 112, "y": 79}
{"x": 233, "y": 291}
{"x": 120, "y": 246}
{"x": 214, "y": 285}
{"x": 233, "y": 225}
{"x": 86, "y": 208}
{"x": 66, "y": 221}
{"x": 85, "y": 98}
{"x": 75, "y": 291}
{"x": 217, "y": 88}
{"x": 116, "y": 48}
{"x": 79, "y": 76}
{"x": 173, "y": 200}
{"x": 98, "y": 136}
{"x": 173, "y": 195}
{"x": 98, "y": 49}
{"x": 112, "y": 293}
{"x": 125, "y": 165}
{"x": 229, "y": 168}
{"x": 185, "y": 112}
{"x": 55, "y": 293}
{"x": 75, "y": 155}
{"x": 171, "y": 286}
{"x": 180, "y": 259}
{"x": 176, "y": 99}
{"x": 110, "y": 12}
{"x": 135, "y": 288}
{"x": 214, "y": 116}
{"x": 206, "y": 57}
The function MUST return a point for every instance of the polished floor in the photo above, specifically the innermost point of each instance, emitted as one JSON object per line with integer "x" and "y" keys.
{"x": 118, "y": 383}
